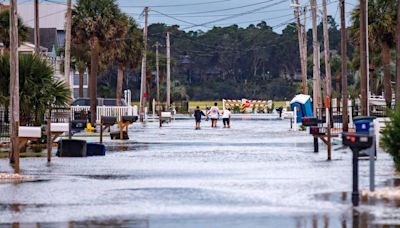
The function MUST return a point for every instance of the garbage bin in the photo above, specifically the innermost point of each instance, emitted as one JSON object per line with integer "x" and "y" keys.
{"x": 362, "y": 126}
{"x": 365, "y": 125}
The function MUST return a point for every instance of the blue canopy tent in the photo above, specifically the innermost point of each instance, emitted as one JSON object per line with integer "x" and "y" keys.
{"x": 304, "y": 106}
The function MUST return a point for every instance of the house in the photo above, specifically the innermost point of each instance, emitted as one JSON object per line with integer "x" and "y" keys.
{"x": 51, "y": 17}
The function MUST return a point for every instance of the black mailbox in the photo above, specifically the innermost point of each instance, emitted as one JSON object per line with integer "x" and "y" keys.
{"x": 357, "y": 141}
{"x": 78, "y": 124}
{"x": 309, "y": 121}
{"x": 130, "y": 119}
{"x": 317, "y": 130}
{"x": 108, "y": 120}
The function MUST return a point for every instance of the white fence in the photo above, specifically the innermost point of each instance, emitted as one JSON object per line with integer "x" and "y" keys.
{"x": 116, "y": 111}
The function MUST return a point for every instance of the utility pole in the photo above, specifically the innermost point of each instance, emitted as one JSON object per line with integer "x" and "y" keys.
{"x": 67, "y": 60}
{"x": 398, "y": 56}
{"x": 168, "y": 72}
{"x": 363, "y": 58}
{"x": 326, "y": 50}
{"x": 344, "y": 66}
{"x": 316, "y": 86}
{"x": 305, "y": 47}
{"x": 37, "y": 28}
{"x": 296, "y": 7}
{"x": 144, "y": 68}
{"x": 14, "y": 85}
{"x": 158, "y": 72}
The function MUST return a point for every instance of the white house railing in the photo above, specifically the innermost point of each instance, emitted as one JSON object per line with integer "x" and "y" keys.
{"x": 116, "y": 111}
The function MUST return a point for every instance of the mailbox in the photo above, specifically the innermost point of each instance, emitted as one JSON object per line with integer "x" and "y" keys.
{"x": 317, "y": 130}
{"x": 309, "y": 121}
{"x": 130, "y": 119}
{"x": 357, "y": 141}
{"x": 78, "y": 124}
{"x": 108, "y": 120}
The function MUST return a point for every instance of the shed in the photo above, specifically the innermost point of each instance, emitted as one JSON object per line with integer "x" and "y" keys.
{"x": 304, "y": 106}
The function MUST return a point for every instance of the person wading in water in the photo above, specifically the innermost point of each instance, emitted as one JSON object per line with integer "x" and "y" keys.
{"x": 197, "y": 115}
{"x": 214, "y": 115}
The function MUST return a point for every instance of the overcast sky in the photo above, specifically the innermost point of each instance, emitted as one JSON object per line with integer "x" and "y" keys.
{"x": 204, "y": 14}
{"x": 209, "y": 13}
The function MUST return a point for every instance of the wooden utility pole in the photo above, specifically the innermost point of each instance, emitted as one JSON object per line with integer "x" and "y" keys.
{"x": 305, "y": 49}
{"x": 14, "y": 85}
{"x": 326, "y": 51}
{"x": 168, "y": 72}
{"x": 398, "y": 56}
{"x": 37, "y": 28}
{"x": 344, "y": 66}
{"x": 296, "y": 7}
{"x": 316, "y": 85}
{"x": 143, "y": 83}
{"x": 158, "y": 72}
{"x": 363, "y": 58}
{"x": 67, "y": 60}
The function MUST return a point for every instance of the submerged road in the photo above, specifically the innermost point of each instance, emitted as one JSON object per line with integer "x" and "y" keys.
{"x": 256, "y": 174}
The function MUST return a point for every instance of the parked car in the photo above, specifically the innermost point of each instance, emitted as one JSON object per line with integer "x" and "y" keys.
{"x": 100, "y": 102}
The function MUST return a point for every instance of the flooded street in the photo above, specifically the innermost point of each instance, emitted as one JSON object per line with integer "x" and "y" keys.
{"x": 256, "y": 174}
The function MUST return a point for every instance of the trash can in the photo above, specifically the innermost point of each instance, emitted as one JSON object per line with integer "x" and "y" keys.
{"x": 362, "y": 126}
{"x": 365, "y": 125}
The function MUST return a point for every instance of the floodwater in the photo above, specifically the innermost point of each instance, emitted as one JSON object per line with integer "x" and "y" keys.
{"x": 256, "y": 174}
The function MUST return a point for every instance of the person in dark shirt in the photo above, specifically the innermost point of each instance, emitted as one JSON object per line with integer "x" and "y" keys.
{"x": 197, "y": 115}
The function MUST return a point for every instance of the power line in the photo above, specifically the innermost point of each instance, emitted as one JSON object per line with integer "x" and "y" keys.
{"x": 176, "y": 5}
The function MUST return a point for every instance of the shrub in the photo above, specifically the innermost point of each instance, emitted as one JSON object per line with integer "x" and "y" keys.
{"x": 391, "y": 137}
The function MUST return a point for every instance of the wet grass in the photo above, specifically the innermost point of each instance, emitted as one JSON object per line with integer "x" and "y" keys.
{"x": 4, "y": 154}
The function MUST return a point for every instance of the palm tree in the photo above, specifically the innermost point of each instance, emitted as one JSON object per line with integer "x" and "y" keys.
{"x": 381, "y": 36}
{"x": 128, "y": 53}
{"x": 97, "y": 23}
{"x": 38, "y": 88}
{"x": 5, "y": 29}
{"x": 80, "y": 60}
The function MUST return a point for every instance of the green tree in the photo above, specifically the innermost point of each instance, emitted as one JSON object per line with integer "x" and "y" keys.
{"x": 381, "y": 29}
{"x": 128, "y": 53}
{"x": 39, "y": 90}
{"x": 5, "y": 29}
{"x": 391, "y": 137}
{"x": 97, "y": 23}
{"x": 80, "y": 60}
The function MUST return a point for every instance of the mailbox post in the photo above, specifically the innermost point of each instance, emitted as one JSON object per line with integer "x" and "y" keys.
{"x": 365, "y": 124}
{"x": 312, "y": 122}
{"x": 356, "y": 142}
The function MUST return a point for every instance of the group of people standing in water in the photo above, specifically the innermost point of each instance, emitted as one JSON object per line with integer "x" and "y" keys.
{"x": 214, "y": 114}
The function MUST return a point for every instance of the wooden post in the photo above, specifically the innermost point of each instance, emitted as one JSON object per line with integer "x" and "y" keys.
{"x": 363, "y": 58}
{"x": 144, "y": 68}
{"x": 67, "y": 59}
{"x": 37, "y": 28}
{"x": 301, "y": 48}
{"x": 14, "y": 85}
{"x": 121, "y": 130}
{"x": 316, "y": 87}
{"x": 101, "y": 130}
{"x": 168, "y": 72}
{"x": 326, "y": 51}
{"x": 158, "y": 73}
{"x": 49, "y": 138}
{"x": 344, "y": 66}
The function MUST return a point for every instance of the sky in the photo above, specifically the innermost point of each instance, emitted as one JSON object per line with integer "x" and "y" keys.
{"x": 205, "y": 14}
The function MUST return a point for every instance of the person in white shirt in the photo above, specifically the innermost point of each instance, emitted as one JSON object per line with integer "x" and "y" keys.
{"x": 214, "y": 115}
{"x": 226, "y": 118}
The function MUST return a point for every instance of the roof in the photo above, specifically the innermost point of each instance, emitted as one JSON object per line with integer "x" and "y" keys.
{"x": 51, "y": 15}
{"x": 301, "y": 98}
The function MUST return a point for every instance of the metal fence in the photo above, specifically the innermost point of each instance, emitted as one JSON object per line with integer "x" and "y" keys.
{"x": 4, "y": 125}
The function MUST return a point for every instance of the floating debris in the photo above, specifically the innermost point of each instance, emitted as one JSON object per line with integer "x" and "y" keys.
{"x": 383, "y": 193}
{"x": 14, "y": 177}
